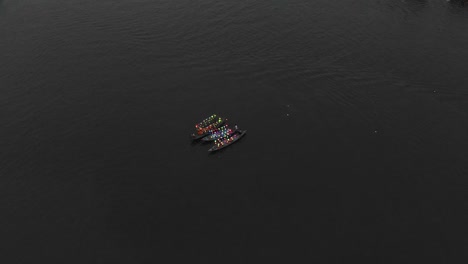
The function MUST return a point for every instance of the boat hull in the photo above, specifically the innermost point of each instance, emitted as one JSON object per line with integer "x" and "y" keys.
{"x": 240, "y": 134}
{"x": 196, "y": 136}
{"x": 211, "y": 138}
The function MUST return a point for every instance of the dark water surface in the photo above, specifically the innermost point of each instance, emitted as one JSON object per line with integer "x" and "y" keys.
{"x": 357, "y": 119}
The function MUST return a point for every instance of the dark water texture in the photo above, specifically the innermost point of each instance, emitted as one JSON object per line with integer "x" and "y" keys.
{"x": 356, "y": 114}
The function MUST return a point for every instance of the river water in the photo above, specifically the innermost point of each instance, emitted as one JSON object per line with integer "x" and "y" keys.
{"x": 356, "y": 150}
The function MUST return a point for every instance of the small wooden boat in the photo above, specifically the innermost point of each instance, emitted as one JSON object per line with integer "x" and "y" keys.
{"x": 207, "y": 121}
{"x": 226, "y": 141}
{"x": 221, "y": 132}
{"x": 205, "y": 131}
